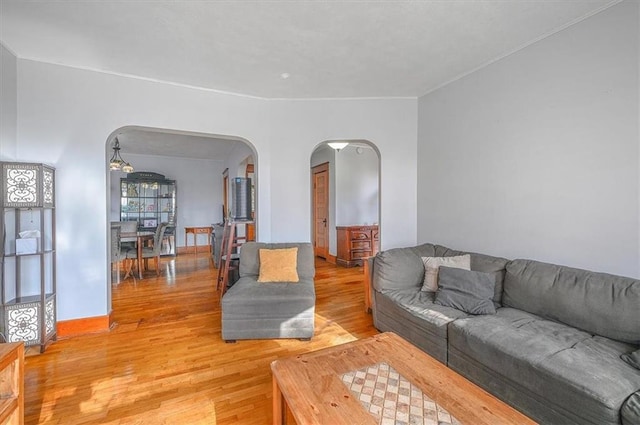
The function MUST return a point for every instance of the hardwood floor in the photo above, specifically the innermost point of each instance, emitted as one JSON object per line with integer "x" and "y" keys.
{"x": 164, "y": 360}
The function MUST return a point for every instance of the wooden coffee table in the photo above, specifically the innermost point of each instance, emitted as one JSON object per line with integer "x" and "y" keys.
{"x": 329, "y": 386}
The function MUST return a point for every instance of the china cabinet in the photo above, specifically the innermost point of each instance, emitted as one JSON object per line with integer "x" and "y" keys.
{"x": 149, "y": 199}
{"x": 27, "y": 228}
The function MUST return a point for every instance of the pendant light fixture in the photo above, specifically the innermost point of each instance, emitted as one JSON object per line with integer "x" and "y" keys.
{"x": 116, "y": 162}
{"x": 338, "y": 145}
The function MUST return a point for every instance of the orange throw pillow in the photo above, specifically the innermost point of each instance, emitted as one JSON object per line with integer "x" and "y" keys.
{"x": 278, "y": 265}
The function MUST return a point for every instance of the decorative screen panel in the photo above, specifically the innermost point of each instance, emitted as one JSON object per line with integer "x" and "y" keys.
{"x": 22, "y": 323}
{"x": 26, "y": 185}
{"x": 50, "y": 317}
{"x": 48, "y": 187}
{"x": 21, "y": 186}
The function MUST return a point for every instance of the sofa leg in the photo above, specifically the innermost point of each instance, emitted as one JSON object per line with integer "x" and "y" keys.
{"x": 230, "y": 341}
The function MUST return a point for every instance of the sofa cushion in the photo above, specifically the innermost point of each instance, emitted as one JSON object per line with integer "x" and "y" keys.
{"x": 599, "y": 303}
{"x": 278, "y": 265}
{"x": 465, "y": 290}
{"x": 400, "y": 268}
{"x": 432, "y": 265}
{"x": 249, "y": 298}
{"x": 412, "y": 314}
{"x": 550, "y": 359}
{"x": 632, "y": 358}
{"x": 420, "y": 304}
{"x": 250, "y": 258}
{"x": 252, "y": 310}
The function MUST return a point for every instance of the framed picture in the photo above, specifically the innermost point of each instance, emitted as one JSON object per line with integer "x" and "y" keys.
{"x": 150, "y": 222}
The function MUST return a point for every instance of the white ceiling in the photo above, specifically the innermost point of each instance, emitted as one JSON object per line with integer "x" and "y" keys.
{"x": 163, "y": 143}
{"x": 331, "y": 49}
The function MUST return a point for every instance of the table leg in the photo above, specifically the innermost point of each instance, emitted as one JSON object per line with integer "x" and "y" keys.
{"x": 278, "y": 405}
{"x": 140, "y": 259}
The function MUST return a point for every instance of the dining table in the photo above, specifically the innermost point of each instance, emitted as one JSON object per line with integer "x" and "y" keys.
{"x": 140, "y": 238}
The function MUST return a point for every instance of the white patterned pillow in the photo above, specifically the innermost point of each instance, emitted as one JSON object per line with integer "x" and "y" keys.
{"x": 432, "y": 264}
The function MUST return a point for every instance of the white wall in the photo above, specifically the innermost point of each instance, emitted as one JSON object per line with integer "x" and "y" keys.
{"x": 390, "y": 124}
{"x": 536, "y": 155}
{"x": 66, "y": 115}
{"x": 8, "y": 104}
{"x": 199, "y": 184}
{"x": 356, "y": 186}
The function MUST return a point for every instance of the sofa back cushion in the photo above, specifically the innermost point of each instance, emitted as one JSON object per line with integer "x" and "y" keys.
{"x": 250, "y": 258}
{"x": 400, "y": 268}
{"x": 598, "y": 303}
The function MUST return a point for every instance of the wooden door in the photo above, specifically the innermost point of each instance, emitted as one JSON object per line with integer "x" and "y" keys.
{"x": 321, "y": 210}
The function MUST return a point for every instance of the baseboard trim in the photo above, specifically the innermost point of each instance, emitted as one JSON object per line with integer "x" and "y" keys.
{"x": 85, "y": 325}
{"x": 331, "y": 259}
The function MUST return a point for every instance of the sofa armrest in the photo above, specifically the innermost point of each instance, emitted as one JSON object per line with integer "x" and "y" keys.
{"x": 630, "y": 412}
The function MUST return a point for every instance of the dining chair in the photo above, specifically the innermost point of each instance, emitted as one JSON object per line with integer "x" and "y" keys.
{"x": 117, "y": 255}
{"x": 150, "y": 251}
{"x": 128, "y": 227}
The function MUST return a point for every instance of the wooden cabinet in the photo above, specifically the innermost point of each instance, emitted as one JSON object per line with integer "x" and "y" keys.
{"x": 12, "y": 383}
{"x": 150, "y": 199}
{"x": 356, "y": 243}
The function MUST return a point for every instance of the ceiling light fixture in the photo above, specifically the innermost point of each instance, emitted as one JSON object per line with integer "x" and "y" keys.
{"x": 116, "y": 162}
{"x": 285, "y": 75}
{"x": 338, "y": 145}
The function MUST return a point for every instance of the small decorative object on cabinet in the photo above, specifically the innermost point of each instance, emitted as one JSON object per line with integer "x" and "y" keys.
{"x": 150, "y": 199}
{"x": 28, "y": 282}
{"x": 12, "y": 383}
{"x": 356, "y": 243}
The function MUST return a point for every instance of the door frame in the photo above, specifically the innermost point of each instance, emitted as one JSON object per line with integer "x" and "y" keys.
{"x": 225, "y": 195}
{"x": 321, "y": 168}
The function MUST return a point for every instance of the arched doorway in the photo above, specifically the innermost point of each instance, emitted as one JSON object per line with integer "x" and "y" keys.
{"x": 345, "y": 187}
{"x": 195, "y": 161}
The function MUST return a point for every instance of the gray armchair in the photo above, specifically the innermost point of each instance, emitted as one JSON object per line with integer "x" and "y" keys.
{"x": 254, "y": 310}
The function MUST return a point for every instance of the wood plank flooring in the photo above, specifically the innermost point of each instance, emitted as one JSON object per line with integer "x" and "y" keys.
{"x": 164, "y": 361}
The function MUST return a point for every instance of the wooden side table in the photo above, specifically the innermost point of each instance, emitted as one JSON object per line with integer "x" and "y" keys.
{"x": 12, "y": 383}
{"x": 195, "y": 231}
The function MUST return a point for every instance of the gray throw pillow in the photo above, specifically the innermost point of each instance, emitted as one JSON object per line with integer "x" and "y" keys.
{"x": 632, "y": 358}
{"x": 466, "y": 290}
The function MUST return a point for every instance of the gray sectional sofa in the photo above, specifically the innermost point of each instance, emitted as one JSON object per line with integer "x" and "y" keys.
{"x": 253, "y": 310}
{"x": 552, "y": 349}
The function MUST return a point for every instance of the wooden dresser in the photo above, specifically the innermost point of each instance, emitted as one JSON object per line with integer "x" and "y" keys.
{"x": 356, "y": 243}
{"x": 12, "y": 383}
